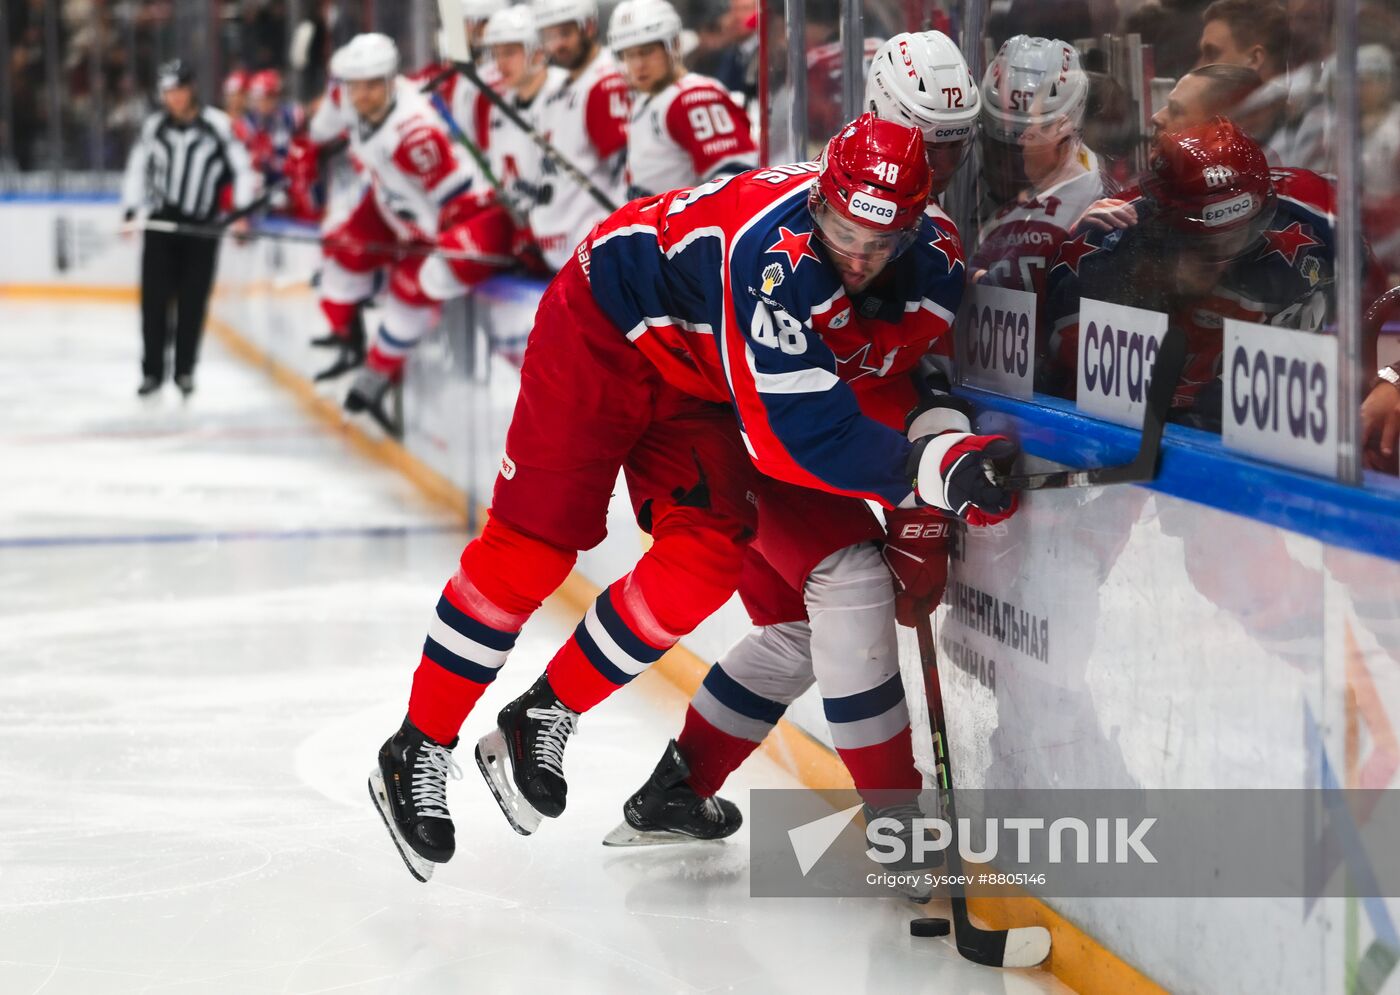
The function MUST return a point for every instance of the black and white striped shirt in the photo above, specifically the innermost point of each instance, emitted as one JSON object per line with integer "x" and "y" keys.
{"x": 176, "y": 170}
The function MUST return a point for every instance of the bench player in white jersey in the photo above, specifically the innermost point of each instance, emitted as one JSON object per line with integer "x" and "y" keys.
{"x": 585, "y": 119}
{"x": 424, "y": 193}
{"x": 1041, "y": 175}
{"x": 525, "y": 80}
{"x": 456, "y": 97}
{"x": 685, "y": 129}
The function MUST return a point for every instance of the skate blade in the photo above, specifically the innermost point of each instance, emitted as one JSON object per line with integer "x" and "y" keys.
{"x": 625, "y": 835}
{"x": 493, "y": 759}
{"x": 417, "y": 866}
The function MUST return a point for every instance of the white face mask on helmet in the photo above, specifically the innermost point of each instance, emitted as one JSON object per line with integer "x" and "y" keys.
{"x": 641, "y": 22}
{"x": 551, "y": 12}
{"x": 922, "y": 81}
{"x": 367, "y": 56}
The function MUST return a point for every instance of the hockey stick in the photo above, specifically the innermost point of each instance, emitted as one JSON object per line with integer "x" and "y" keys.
{"x": 1166, "y": 371}
{"x": 409, "y": 249}
{"x": 450, "y": 12}
{"x": 517, "y": 216}
{"x": 1021, "y": 946}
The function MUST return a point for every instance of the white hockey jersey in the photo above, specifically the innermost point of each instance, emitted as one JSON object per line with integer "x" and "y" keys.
{"x": 586, "y": 120}
{"x": 414, "y": 166}
{"x": 690, "y": 132}
{"x": 1018, "y": 243}
{"x": 513, "y": 156}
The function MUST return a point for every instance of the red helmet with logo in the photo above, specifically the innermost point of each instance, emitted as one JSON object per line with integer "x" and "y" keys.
{"x": 1212, "y": 182}
{"x": 872, "y": 188}
{"x": 265, "y": 83}
{"x": 235, "y": 82}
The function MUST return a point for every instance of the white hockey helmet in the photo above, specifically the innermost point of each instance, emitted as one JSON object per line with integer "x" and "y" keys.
{"x": 641, "y": 22}
{"x": 512, "y": 26}
{"x": 922, "y": 81}
{"x": 481, "y": 10}
{"x": 1034, "y": 81}
{"x": 366, "y": 56}
{"x": 551, "y": 12}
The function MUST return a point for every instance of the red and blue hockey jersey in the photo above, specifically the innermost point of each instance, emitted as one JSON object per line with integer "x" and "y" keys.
{"x": 1285, "y": 279}
{"x": 727, "y": 292}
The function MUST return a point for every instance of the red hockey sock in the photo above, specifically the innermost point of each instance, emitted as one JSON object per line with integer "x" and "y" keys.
{"x": 610, "y": 646}
{"x": 339, "y": 314}
{"x": 390, "y": 366}
{"x": 504, "y": 575}
{"x": 887, "y": 766}
{"x": 711, "y": 754}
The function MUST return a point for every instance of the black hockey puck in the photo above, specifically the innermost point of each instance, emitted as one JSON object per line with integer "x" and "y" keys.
{"x": 929, "y": 927}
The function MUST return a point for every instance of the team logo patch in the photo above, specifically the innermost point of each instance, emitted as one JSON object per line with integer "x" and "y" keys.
{"x": 507, "y": 467}
{"x": 797, "y": 246}
{"x": 1311, "y": 270}
{"x": 772, "y": 276}
{"x": 876, "y": 209}
{"x": 841, "y": 320}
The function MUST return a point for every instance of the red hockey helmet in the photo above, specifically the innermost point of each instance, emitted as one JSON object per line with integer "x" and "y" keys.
{"x": 265, "y": 83}
{"x": 235, "y": 82}
{"x": 871, "y": 190}
{"x": 1212, "y": 184}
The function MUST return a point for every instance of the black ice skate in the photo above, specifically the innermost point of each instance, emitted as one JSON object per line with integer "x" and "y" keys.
{"x": 522, "y": 759}
{"x": 372, "y": 394}
{"x": 410, "y": 789}
{"x": 354, "y": 334}
{"x": 915, "y": 888}
{"x": 149, "y": 385}
{"x": 185, "y": 382}
{"x": 667, "y": 810}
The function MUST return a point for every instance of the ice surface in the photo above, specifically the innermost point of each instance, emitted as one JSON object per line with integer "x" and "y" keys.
{"x": 209, "y": 617}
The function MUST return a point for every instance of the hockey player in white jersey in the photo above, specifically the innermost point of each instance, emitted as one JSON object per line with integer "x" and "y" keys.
{"x": 685, "y": 129}
{"x": 1037, "y": 168}
{"x": 585, "y": 119}
{"x": 424, "y": 193}
{"x": 525, "y": 81}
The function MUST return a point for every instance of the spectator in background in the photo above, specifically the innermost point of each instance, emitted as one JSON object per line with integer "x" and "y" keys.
{"x": 272, "y": 123}
{"x": 1254, "y": 34}
{"x": 1380, "y": 122}
{"x": 727, "y": 42}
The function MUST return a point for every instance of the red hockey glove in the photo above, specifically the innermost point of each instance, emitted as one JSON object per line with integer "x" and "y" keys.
{"x": 460, "y": 208}
{"x": 952, "y": 467}
{"x": 916, "y": 551}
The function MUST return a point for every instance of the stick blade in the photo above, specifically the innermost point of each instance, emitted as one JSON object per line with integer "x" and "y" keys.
{"x": 1026, "y": 946}
{"x": 1022, "y": 946}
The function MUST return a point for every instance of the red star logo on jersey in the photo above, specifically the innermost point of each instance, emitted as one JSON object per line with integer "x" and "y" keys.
{"x": 948, "y": 245}
{"x": 1287, "y": 243}
{"x": 1074, "y": 250}
{"x": 796, "y": 247}
{"x": 856, "y": 365}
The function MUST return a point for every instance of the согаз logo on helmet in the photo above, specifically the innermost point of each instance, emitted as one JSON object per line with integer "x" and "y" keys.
{"x": 875, "y": 209}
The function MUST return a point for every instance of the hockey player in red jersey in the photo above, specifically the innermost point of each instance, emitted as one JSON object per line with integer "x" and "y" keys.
{"x": 822, "y": 603}
{"x": 585, "y": 118}
{"x": 272, "y": 126}
{"x": 424, "y": 193}
{"x": 685, "y": 129}
{"x": 750, "y": 297}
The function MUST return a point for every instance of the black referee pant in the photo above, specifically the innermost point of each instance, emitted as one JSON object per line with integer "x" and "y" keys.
{"x": 177, "y": 273}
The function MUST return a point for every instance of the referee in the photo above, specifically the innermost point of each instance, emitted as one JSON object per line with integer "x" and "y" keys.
{"x": 182, "y": 162}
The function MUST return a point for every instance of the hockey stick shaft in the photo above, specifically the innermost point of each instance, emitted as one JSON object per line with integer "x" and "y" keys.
{"x": 517, "y": 216}
{"x": 468, "y": 70}
{"x": 1020, "y": 947}
{"x": 405, "y": 249}
{"x": 1166, "y": 372}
